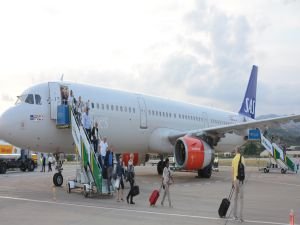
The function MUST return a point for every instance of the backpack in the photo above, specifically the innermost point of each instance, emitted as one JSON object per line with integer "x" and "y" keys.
{"x": 241, "y": 170}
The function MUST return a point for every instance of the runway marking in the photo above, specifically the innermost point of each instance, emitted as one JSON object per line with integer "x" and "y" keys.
{"x": 273, "y": 182}
{"x": 137, "y": 211}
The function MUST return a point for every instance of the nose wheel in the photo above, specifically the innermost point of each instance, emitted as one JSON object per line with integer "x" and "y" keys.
{"x": 58, "y": 179}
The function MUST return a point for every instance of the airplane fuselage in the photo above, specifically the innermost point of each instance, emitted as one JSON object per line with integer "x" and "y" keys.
{"x": 131, "y": 122}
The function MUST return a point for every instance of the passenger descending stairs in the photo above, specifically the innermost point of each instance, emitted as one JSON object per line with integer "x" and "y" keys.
{"x": 282, "y": 159}
{"x": 89, "y": 160}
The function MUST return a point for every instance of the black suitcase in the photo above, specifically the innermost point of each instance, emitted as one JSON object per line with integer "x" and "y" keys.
{"x": 225, "y": 204}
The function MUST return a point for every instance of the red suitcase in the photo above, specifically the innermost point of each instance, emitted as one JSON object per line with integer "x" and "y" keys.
{"x": 153, "y": 197}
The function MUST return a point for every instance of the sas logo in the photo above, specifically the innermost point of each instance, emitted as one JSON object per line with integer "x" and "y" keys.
{"x": 249, "y": 106}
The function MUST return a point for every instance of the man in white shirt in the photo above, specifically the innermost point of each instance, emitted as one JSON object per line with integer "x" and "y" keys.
{"x": 87, "y": 123}
{"x": 103, "y": 148}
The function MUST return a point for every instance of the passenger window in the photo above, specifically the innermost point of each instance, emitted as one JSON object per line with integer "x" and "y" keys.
{"x": 117, "y": 108}
{"x": 97, "y": 105}
{"x": 152, "y": 112}
{"x": 38, "y": 100}
{"x": 107, "y": 106}
{"x": 29, "y": 99}
{"x": 121, "y": 108}
{"x": 175, "y": 115}
{"x": 102, "y": 106}
{"x": 125, "y": 109}
{"x": 93, "y": 105}
{"x": 112, "y": 108}
{"x": 133, "y": 109}
{"x": 129, "y": 109}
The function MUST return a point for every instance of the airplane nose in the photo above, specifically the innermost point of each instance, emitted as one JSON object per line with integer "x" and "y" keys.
{"x": 5, "y": 125}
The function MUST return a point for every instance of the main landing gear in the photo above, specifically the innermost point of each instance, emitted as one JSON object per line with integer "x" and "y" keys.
{"x": 206, "y": 171}
{"x": 161, "y": 165}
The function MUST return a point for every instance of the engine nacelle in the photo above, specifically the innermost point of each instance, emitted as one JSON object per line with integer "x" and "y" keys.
{"x": 191, "y": 153}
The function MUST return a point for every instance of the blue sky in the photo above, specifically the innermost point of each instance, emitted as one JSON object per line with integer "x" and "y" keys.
{"x": 195, "y": 51}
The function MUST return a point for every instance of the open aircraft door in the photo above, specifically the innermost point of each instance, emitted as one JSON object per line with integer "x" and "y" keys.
{"x": 143, "y": 112}
{"x": 55, "y": 98}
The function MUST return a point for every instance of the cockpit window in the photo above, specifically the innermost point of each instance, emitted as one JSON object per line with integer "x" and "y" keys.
{"x": 29, "y": 99}
{"x": 38, "y": 100}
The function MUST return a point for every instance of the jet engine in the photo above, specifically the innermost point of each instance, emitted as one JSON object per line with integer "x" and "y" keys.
{"x": 192, "y": 153}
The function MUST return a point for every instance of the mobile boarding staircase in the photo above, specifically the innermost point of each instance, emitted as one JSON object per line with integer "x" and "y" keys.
{"x": 282, "y": 159}
{"x": 89, "y": 175}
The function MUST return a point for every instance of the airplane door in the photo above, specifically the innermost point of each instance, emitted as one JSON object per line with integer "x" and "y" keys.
{"x": 143, "y": 112}
{"x": 54, "y": 97}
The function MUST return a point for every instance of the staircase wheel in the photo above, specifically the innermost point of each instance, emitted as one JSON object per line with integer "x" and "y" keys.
{"x": 68, "y": 188}
{"x": 85, "y": 192}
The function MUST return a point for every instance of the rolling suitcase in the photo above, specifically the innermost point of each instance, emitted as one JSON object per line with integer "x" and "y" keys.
{"x": 225, "y": 204}
{"x": 153, "y": 197}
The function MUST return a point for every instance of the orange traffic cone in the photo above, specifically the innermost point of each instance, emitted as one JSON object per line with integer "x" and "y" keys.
{"x": 292, "y": 217}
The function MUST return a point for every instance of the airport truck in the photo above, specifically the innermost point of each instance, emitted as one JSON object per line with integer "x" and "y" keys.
{"x": 11, "y": 157}
{"x": 15, "y": 161}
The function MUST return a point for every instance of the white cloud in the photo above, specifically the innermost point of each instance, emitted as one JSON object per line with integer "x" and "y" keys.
{"x": 199, "y": 52}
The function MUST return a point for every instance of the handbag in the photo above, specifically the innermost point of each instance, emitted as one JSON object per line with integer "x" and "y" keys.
{"x": 117, "y": 183}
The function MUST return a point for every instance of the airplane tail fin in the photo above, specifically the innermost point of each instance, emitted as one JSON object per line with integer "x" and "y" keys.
{"x": 249, "y": 102}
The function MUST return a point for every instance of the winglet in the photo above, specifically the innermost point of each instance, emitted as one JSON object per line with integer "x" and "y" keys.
{"x": 249, "y": 102}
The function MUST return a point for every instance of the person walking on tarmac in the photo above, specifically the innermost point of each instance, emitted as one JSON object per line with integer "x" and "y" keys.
{"x": 43, "y": 163}
{"x": 50, "y": 161}
{"x": 109, "y": 164}
{"x": 238, "y": 176}
{"x": 167, "y": 180}
{"x": 120, "y": 175}
{"x": 130, "y": 177}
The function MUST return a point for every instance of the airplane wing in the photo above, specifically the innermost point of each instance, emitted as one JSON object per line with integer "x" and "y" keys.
{"x": 238, "y": 128}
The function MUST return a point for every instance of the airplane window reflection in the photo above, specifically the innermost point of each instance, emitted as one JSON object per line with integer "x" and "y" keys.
{"x": 29, "y": 99}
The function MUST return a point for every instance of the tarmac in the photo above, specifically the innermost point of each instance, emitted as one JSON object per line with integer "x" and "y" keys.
{"x": 31, "y": 198}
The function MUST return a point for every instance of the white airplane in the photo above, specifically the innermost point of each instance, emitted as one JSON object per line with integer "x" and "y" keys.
{"x": 135, "y": 123}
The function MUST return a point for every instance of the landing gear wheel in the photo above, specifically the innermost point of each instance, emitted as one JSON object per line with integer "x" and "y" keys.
{"x": 23, "y": 167}
{"x": 58, "y": 179}
{"x": 2, "y": 168}
{"x": 68, "y": 188}
{"x": 160, "y": 167}
{"x": 85, "y": 192}
{"x": 205, "y": 172}
{"x": 283, "y": 171}
{"x": 265, "y": 170}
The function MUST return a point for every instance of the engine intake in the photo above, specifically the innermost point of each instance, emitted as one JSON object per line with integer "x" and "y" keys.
{"x": 191, "y": 153}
